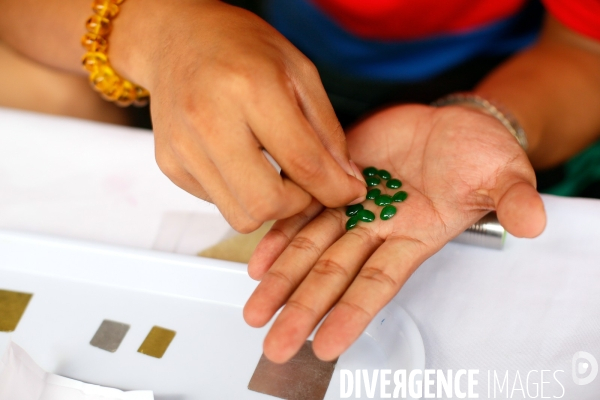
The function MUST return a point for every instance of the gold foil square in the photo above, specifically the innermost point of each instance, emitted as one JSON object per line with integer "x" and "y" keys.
{"x": 12, "y": 307}
{"x": 157, "y": 342}
{"x": 304, "y": 377}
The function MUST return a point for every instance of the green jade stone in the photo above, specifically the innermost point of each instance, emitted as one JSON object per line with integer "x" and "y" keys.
{"x": 373, "y": 193}
{"x": 387, "y": 212}
{"x": 372, "y": 181}
{"x": 393, "y": 184}
{"x": 354, "y": 209}
{"x": 384, "y": 174}
{"x": 352, "y": 222}
{"x": 383, "y": 200}
{"x": 400, "y": 196}
{"x": 366, "y": 216}
{"x": 370, "y": 171}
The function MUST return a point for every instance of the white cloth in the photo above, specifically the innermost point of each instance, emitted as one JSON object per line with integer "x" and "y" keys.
{"x": 22, "y": 379}
{"x": 531, "y": 306}
{"x": 88, "y": 180}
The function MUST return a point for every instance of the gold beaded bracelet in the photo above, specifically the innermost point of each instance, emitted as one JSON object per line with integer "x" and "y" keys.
{"x": 103, "y": 77}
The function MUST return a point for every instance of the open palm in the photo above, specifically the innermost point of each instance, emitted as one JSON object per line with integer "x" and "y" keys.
{"x": 455, "y": 164}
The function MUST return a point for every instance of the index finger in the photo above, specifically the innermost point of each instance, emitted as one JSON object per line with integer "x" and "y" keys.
{"x": 378, "y": 281}
{"x": 318, "y": 292}
{"x": 293, "y": 143}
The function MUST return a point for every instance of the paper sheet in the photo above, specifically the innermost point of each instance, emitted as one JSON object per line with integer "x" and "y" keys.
{"x": 21, "y": 378}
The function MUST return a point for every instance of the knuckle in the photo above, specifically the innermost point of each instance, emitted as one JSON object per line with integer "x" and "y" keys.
{"x": 168, "y": 166}
{"x": 356, "y": 309}
{"x": 244, "y": 224}
{"x": 366, "y": 236}
{"x": 262, "y": 214}
{"x": 180, "y": 147}
{"x": 238, "y": 81}
{"x": 378, "y": 276}
{"x": 196, "y": 107}
{"x": 337, "y": 217}
{"x": 308, "y": 68}
{"x": 190, "y": 105}
{"x": 265, "y": 204}
{"x": 280, "y": 276}
{"x": 301, "y": 307}
{"x": 328, "y": 267}
{"x": 304, "y": 244}
{"x": 306, "y": 168}
{"x": 261, "y": 208}
{"x": 280, "y": 233}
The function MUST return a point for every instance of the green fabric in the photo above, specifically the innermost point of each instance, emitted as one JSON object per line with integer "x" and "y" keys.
{"x": 581, "y": 171}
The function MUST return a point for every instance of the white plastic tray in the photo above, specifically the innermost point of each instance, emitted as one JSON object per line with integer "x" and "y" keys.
{"x": 76, "y": 285}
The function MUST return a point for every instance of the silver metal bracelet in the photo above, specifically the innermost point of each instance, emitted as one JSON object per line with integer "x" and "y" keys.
{"x": 491, "y": 108}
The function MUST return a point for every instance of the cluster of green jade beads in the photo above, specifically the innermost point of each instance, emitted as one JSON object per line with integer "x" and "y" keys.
{"x": 374, "y": 177}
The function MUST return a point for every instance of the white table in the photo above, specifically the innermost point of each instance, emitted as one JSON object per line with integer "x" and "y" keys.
{"x": 529, "y": 307}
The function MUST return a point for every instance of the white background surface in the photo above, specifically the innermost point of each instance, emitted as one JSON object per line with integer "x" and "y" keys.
{"x": 93, "y": 181}
{"x": 528, "y": 307}
{"x": 77, "y": 284}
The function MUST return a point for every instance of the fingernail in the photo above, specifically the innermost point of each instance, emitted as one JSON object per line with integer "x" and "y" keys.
{"x": 357, "y": 174}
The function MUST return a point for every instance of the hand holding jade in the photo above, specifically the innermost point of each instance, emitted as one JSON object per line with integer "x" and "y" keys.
{"x": 225, "y": 85}
{"x": 455, "y": 164}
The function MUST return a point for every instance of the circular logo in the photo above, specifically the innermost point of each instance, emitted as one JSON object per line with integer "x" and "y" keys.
{"x": 585, "y": 368}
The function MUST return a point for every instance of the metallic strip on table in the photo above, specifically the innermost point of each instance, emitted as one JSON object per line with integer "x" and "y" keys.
{"x": 12, "y": 308}
{"x": 304, "y": 377}
{"x": 109, "y": 335}
{"x": 157, "y": 342}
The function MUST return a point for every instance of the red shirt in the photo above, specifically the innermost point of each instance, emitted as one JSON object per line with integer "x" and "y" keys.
{"x": 411, "y": 19}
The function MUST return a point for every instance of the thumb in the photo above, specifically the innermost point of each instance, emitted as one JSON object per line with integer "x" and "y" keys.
{"x": 520, "y": 208}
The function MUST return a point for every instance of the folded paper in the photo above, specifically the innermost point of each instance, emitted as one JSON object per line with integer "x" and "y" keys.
{"x": 21, "y": 378}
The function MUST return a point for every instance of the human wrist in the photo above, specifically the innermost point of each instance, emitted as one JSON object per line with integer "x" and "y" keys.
{"x": 494, "y": 109}
{"x": 141, "y": 36}
{"x": 131, "y": 39}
